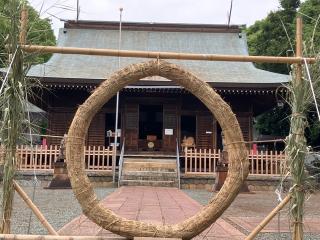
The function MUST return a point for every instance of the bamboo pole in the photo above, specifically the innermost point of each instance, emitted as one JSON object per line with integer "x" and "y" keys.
{"x": 163, "y": 55}
{"x": 23, "y": 26}
{"x": 268, "y": 218}
{"x": 50, "y": 237}
{"x": 299, "y": 47}
{"x": 297, "y": 192}
{"x": 10, "y": 98}
{"x": 34, "y": 208}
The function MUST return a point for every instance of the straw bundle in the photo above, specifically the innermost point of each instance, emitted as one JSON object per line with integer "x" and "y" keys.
{"x": 238, "y": 167}
{"x": 301, "y": 101}
{"x": 12, "y": 93}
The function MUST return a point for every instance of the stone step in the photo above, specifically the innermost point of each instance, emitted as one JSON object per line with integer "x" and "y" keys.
{"x": 149, "y": 175}
{"x": 148, "y": 178}
{"x": 148, "y": 183}
{"x": 161, "y": 160}
{"x": 149, "y": 166}
{"x": 153, "y": 155}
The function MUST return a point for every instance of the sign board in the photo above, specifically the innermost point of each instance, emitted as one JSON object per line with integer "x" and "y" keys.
{"x": 168, "y": 131}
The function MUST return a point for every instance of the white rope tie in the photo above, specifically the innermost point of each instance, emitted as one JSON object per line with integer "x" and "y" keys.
{"x": 311, "y": 86}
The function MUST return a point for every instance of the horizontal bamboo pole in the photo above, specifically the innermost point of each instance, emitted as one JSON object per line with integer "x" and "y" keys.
{"x": 163, "y": 55}
{"x": 34, "y": 208}
{"x": 268, "y": 218}
{"x": 50, "y": 237}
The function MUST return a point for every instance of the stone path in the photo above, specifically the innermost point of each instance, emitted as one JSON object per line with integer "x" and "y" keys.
{"x": 153, "y": 205}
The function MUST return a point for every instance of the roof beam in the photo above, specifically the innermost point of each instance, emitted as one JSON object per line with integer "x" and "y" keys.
{"x": 163, "y": 55}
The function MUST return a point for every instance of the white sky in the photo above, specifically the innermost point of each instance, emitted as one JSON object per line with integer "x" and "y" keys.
{"x": 175, "y": 11}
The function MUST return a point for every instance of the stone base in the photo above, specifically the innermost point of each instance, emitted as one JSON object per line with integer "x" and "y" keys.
{"x": 188, "y": 181}
{"x": 60, "y": 178}
{"x": 221, "y": 175}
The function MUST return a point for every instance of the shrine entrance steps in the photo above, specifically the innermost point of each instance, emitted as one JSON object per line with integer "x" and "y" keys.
{"x": 149, "y": 170}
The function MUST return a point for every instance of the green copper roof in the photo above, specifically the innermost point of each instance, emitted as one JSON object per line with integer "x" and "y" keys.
{"x": 99, "y": 67}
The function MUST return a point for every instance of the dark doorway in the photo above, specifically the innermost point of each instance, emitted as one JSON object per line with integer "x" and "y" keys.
{"x": 219, "y": 137}
{"x": 150, "y": 121}
{"x": 188, "y": 126}
{"x": 110, "y": 127}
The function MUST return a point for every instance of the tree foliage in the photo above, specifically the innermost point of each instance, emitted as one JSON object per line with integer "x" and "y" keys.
{"x": 270, "y": 36}
{"x": 275, "y": 36}
{"x": 274, "y": 122}
{"x": 39, "y": 32}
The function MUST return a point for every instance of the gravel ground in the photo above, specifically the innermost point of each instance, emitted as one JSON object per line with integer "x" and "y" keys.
{"x": 60, "y": 207}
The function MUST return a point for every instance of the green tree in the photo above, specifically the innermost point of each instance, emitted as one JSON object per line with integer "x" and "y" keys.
{"x": 270, "y": 36}
{"x": 310, "y": 10}
{"x": 39, "y": 32}
{"x": 274, "y": 122}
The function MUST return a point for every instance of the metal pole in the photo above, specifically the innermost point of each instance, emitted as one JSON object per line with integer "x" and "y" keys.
{"x": 78, "y": 11}
{"x": 117, "y": 110}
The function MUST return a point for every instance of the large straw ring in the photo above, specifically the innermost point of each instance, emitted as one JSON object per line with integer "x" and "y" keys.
{"x": 237, "y": 153}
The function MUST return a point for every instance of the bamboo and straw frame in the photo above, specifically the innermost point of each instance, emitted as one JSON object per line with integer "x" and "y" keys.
{"x": 182, "y": 56}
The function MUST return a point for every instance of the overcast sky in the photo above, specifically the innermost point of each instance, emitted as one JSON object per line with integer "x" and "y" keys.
{"x": 176, "y": 11}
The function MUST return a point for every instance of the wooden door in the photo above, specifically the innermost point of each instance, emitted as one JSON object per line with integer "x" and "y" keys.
{"x": 205, "y": 132}
{"x": 169, "y": 128}
{"x": 245, "y": 122}
{"x": 131, "y": 126}
{"x": 59, "y": 123}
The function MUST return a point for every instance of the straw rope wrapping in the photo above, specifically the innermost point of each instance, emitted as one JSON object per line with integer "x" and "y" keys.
{"x": 238, "y": 164}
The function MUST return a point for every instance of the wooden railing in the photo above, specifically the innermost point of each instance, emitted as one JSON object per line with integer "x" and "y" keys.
{"x": 201, "y": 161}
{"x": 267, "y": 163}
{"x": 36, "y": 157}
{"x": 204, "y": 161}
{"x": 97, "y": 158}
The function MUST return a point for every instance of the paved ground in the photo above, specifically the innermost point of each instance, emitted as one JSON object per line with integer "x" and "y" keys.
{"x": 249, "y": 209}
{"x": 60, "y": 207}
{"x": 151, "y": 205}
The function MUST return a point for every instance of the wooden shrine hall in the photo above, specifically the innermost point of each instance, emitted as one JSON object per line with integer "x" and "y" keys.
{"x": 155, "y": 113}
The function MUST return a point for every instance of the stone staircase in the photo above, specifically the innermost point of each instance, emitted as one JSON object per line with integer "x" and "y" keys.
{"x": 149, "y": 170}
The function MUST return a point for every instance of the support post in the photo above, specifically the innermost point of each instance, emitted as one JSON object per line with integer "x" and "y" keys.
{"x": 34, "y": 208}
{"x": 12, "y": 122}
{"x": 298, "y": 193}
{"x": 23, "y": 26}
{"x": 268, "y": 218}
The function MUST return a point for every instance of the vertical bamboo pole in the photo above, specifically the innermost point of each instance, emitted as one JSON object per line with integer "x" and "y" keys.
{"x": 298, "y": 134}
{"x": 299, "y": 48}
{"x": 12, "y": 120}
{"x": 23, "y": 27}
